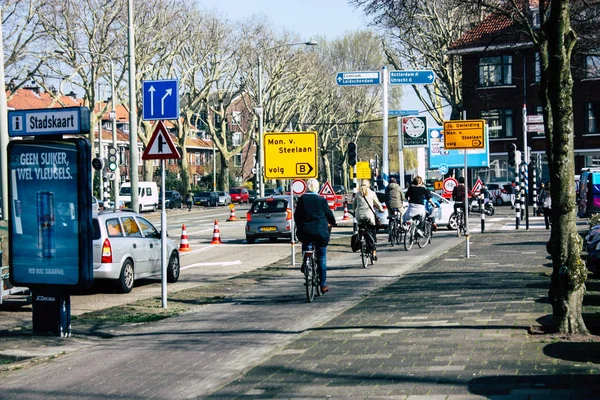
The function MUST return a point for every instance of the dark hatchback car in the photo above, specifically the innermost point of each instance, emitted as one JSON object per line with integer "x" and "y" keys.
{"x": 269, "y": 217}
{"x": 208, "y": 199}
{"x": 173, "y": 199}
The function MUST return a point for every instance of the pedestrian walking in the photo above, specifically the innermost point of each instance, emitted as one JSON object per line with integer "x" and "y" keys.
{"x": 189, "y": 199}
{"x": 546, "y": 200}
{"x": 539, "y": 203}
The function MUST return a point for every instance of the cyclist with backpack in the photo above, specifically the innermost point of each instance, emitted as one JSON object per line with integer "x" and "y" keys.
{"x": 417, "y": 194}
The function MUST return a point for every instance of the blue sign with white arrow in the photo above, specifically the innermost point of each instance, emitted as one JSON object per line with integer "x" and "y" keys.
{"x": 358, "y": 78}
{"x": 160, "y": 99}
{"x": 411, "y": 77}
{"x": 402, "y": 113}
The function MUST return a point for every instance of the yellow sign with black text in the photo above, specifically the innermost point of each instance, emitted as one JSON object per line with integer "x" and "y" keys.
{"x": 290, "y": 155}
{"x": 464, "y": 134}
{"x": 363, "y": 170}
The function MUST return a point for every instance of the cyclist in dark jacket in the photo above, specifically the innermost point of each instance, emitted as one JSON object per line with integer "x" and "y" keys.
{"x": 312, "y": 218}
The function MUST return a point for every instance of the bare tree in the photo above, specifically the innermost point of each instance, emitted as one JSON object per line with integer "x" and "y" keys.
{"x": 417, "y": 35}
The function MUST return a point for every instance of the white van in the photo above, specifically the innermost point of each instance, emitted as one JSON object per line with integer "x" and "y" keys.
{"x": 147, "y": 197}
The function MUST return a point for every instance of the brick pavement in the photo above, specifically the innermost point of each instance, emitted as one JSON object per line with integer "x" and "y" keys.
{"x": 456, "y": 328}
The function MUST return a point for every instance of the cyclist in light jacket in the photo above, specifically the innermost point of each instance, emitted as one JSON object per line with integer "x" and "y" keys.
{"x": 364, "y": 205}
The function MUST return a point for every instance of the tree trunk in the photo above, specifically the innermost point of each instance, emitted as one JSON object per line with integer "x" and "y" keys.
{"x": 185, "y": 171}
{"x": 224, "y": 177}
{"x": 568, "y": 270}
{"x": 326, "y": 166}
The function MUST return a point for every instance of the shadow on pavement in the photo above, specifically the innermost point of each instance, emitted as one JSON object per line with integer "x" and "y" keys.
{"x": 585, "y": 385}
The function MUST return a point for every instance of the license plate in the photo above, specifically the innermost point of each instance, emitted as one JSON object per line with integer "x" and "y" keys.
{"x": 268, "y": 229}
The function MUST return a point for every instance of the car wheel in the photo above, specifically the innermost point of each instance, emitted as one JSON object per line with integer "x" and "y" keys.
{"x": 250, "y": 240}
{"x": 171, "y": 206}
{"x": 125, "y": 282}
{"x": 173, "y": 269}
{"x": 499, "y": 201}
{"x": 452, "y": 222}
{"x": 140, "y": 208}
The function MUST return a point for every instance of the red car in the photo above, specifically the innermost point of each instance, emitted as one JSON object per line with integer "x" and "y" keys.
{"x": 239, "y": 195}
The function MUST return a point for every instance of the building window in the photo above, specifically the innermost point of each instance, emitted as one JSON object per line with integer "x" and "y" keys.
{"x": 495, "y": 71}
{"x": 236, "y": 118}
{"x": 217, "y": 120}
{"x": 500, "y": 123}
{"x": 237, "y": 160}
{"x": 200, "y": 120}
{"x": 537, "y": 68}
{"x": 236, "y": 138}
{"x": 592, "y": 66}
{"x": 593, "y": 112}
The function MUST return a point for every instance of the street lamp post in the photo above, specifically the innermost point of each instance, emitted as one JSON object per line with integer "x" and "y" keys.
{"x": 260, "y": 111}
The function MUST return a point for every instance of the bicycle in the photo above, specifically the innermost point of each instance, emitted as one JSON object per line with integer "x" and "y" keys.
{"x": 459, "y": 216}
{"x": 312, "y": 278}
{"x": 410, "y": 233}
{"x": 366, "y": 255}
{"x": 395, "y": 229}
{"x": 427, "y": 232}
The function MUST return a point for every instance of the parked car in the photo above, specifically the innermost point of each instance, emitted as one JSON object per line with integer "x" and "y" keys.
{"x": 443, "y": 217}
{"x": 173, "y": 199}
{"x": 224, "y": 199}
{"x": 499, "y": 193}
{"x": 239, "y": 195}
{"x": 207, "y": 199}
{"x": 95, "y": 206}
{"x": 270, "y": 192}
{"x": 339, "y": 189}
{"x": 252, "y": 194}
{"x": 127, "y": 247}
{"x": 269, "y": 217}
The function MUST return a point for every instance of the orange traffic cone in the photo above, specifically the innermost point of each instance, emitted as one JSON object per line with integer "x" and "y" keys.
{"x": 346, "y": 216}
{"x": 184, "y": 246}
{"x": 216, "y": 239}
{"x": 232, "y": 216}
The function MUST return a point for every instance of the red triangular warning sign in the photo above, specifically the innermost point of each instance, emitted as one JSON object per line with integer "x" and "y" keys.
{"x": 477, "y": 187}
{"x": 326, "y": 189}
{"x": 160, "y": 146}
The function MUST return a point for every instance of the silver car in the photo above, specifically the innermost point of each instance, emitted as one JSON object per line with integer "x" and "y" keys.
{"x": 224, "y": 198}
{"x": 443, "y": 216}
{"x": 269, "y": 217}
{"x": 127, "y": 247}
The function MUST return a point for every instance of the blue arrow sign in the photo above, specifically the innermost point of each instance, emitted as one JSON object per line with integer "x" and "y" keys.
{"x": 160, "y": 99}
{"x": 358, "y": 78}
{"x": 402, "y": 113}
{"x": 411, "y": 77}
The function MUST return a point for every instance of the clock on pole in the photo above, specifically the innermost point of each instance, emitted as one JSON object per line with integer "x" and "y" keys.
{"x": 414, "y": 131}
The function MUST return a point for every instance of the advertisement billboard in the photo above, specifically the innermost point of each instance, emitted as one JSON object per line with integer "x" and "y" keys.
{"x": 454, "y": 158}
{"x": 50, "y": 212}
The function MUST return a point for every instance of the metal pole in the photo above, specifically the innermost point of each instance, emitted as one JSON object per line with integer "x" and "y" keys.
{"x": 133, "y": 150}
{"x": 100, "y": 152}
{"x": 466, "y": 213}
{"x": 214, "y": 168}
{"x": 259, "y": 170}
{"x": 3, "y": 135}
{"x": 163, "y": 236}
{"x": 386, "y": 157}
{"x": 117, "y": 173}
{"x": 292, "y": 227}
{"x": 400, "y": 153}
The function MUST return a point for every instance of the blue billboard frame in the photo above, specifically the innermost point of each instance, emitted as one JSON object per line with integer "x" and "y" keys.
{"x": 50, "y": 224}
{"x": 476, "y": 158}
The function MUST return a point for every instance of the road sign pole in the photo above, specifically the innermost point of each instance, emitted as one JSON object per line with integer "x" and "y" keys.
{"x": 385, "y": 162}
{"x": 466, "y": 213}
{"x": 163, "y": 236}
{"x": 400, "y": 153}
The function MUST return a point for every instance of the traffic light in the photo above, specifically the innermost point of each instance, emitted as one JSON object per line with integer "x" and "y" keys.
{"x": 512, "y": 154}
{"x": 98, "y": 164}
{"x": 112, "y": 158}
{"x": 352, "y": 154}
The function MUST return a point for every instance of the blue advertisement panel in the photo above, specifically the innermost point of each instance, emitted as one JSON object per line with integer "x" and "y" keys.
{"x": 454, "y": 158}
{"x": 50, "y": 212}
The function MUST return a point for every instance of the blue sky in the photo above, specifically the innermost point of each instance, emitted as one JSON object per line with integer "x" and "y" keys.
{"x": 329, "y": 18}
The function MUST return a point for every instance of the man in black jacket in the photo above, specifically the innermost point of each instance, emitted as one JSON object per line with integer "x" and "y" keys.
{"x": 312, "y": 218}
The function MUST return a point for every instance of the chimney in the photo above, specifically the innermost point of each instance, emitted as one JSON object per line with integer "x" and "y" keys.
{"x": 72, "y": 94}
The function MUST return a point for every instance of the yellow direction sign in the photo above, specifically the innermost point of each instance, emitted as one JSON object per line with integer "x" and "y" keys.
{"x": 465, "y": 134}
{"x": 290, "y": 155}
{"x": 363, "y": 170}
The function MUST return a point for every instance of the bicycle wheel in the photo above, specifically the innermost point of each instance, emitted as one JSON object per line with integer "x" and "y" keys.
{"x": 308, "y": 277}
{"x": 363, "y": 253}
{"x": 422, "y": 242}
{"x": 316, "y": 276}
{"x": 392, "y": 231}
{"x": 409, "y": 237}
{"x": 399, "y": 233}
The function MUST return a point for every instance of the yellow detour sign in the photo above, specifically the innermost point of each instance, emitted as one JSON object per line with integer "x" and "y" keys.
{"x": 363, "y": 170}
{"x": 290, "y": 155}
{"x": 465, "y": 134}
{"x": 437, "y": 185}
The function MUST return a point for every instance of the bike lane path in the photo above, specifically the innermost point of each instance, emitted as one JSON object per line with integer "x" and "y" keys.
{"x": 196, "y": 353}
